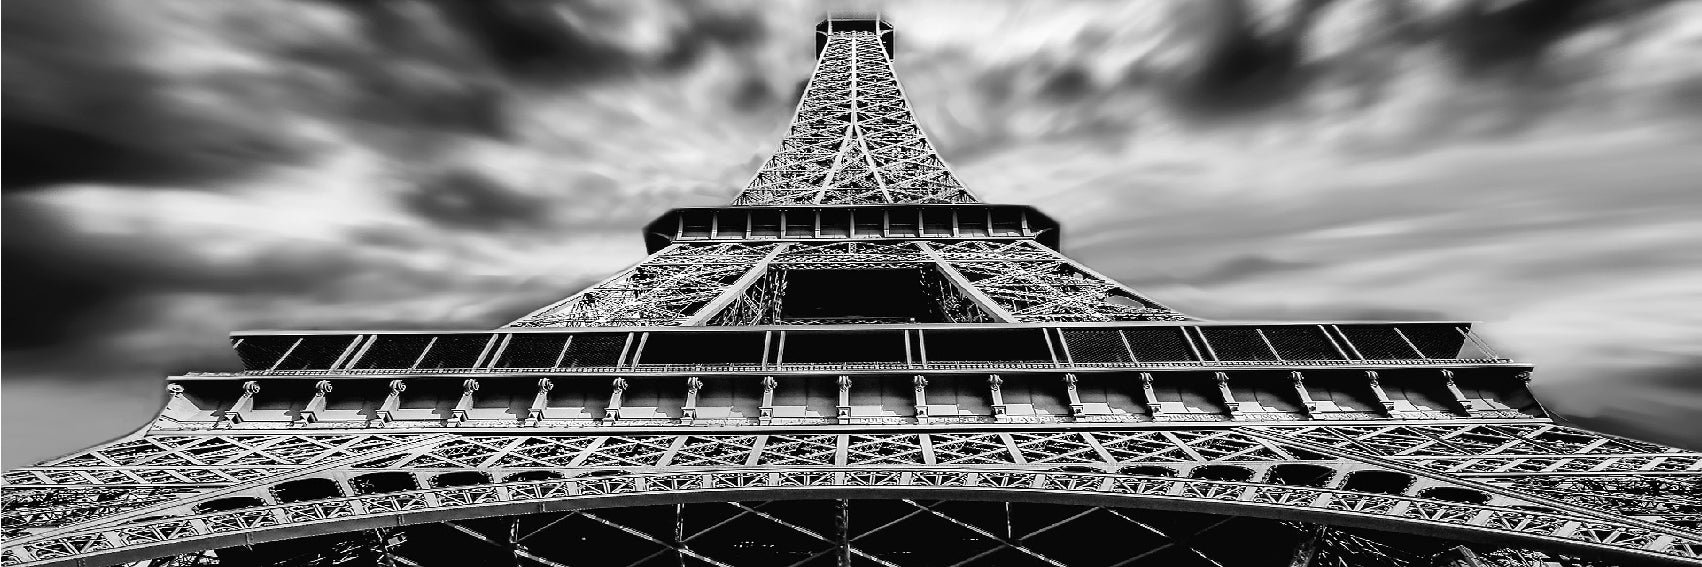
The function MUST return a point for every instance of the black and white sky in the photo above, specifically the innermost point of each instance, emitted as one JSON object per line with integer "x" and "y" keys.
{"x": 177, "y": 169}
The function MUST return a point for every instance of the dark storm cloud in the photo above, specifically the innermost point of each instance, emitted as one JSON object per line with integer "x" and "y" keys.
{"x": 752, "y": 95}
{"x": 550, "y": 42}
{"x": 69, "y": 292}
{"x": 89, "y": 101}
{"x": 79, "y": 107}
{"x": 1242, "y": 61}
{"x": 84, "y": 103}
{"x": 1068, "y": 83}
{"x": 468, "y": 199}
{"x": 1242, "y": 64}
{"x": 1643, "y": 403}
{"x": 386, "y": 89}
{"x": 65, "y": 287}
{"x": 1489, "y": 37}
{"x": 1242, "y": 267}
{"x": 531, "y": 40}
{"x": 492, "y": 48}
{"x": 534, "y": 40}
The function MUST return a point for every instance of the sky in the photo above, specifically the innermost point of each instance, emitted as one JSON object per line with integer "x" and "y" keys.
{"x": 179, "y": 169}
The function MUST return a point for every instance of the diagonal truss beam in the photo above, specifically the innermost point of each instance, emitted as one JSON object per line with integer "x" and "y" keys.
{"x": 738, "y": 288}
{"x": 987, "y": 305}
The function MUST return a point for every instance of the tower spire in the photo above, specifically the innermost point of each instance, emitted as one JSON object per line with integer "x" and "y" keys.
{"x": 853, "y": 139}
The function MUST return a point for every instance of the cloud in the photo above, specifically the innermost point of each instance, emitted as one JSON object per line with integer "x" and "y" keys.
{"x": 469, "y": 199}
{"x": 82, "y": 106}
{"x": 1244, "y": 267}
{"x": 1513, "y": 37}
{"x": 1639, "y": 402}
{"x": 1239, "y": 66}
{"x": 84, "y": 289}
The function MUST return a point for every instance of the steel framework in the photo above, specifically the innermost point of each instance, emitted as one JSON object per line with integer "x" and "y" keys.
{"x": 855, "y": 352}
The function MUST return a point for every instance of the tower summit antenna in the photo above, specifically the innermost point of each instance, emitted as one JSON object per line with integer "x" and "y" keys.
{"x": 858, "y": 360}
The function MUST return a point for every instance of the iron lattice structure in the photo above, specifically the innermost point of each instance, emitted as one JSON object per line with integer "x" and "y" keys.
{"x": 856, "y": 352}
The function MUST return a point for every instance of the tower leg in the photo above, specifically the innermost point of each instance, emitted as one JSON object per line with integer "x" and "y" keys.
{"x": 1458, "y": 556}
{"x": 842, "y": 524}
{"x": 680, "y": 533}
{"x": 1310, "y": 540}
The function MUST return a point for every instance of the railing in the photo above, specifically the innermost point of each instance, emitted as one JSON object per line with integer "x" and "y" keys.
{"x": 864, "y": 366}
{"x": 1054, "y": 345}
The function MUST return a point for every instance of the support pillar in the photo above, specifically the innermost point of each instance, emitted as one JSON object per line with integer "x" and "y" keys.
{"x": 688, "y": 413}
{"x": 315, "y": 405}
{"x": 540, "y": 401}
{"x": 243, "y": 405}
{"x": 614, "y": 413}
{"x": 459, "y": 414}
{"x": 1377, "y": 390}
{"x": 1077, "y": 409}
{"x": 1458, "y": 556}
{"x": 1454, "y": 390}
{"x": 1312, "y": 537}
{"x": 1149, "y": 397}
{"x": 680, "y": 524}
{"x": 1222, "y": 379}
{"x": 993, "y": 384}
{"x": 765, "y": 412}
{"x": 1306, "y": 402}
{"x": 177, "y": 404}
{"x": 843, "y": 410}
{"x": 842, "y": 528}
{"x": 921, "y": 383}
{"x": 392, "y": 401}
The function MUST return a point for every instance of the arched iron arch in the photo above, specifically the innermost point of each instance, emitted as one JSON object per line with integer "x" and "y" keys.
{"x": 1468, "y": 522}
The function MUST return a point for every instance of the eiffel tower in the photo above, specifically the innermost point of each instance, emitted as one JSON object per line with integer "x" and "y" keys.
{"x": 859, "y": 362}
